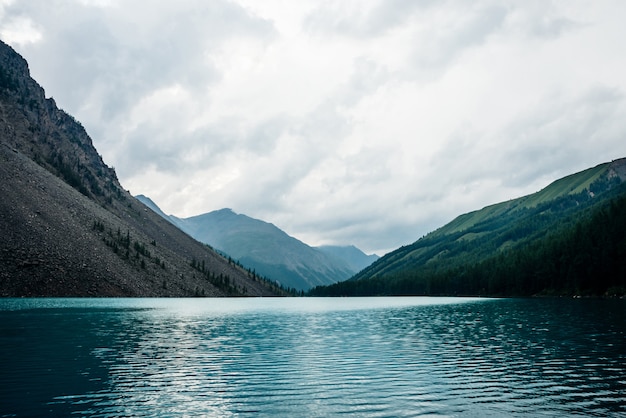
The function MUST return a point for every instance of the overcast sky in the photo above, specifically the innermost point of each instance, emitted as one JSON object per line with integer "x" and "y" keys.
{"x": 342, "y": 122}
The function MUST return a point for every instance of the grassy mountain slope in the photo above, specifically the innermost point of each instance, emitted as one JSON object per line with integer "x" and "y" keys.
{"x": 457, "y": 258}
{"x": 263, "y": 247}
{"x": 570, "y": 185}
{"x": 68, "y": 228}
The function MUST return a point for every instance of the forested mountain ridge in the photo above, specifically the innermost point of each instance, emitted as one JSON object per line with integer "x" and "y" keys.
{"x": 268, "y": 250}
{"x": 69, "y": 228}
{"x": 588, "y": 182}
{"x": 569, "y": 238}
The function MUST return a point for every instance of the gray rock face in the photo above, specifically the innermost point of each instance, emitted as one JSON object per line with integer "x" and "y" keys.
{"x": 67, "y": 226}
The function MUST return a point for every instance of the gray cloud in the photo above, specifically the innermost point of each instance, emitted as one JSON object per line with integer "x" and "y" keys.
{"x": 550, "y": 141}
{"x": 359, "y": 20}
{"x": 439, "y": 45}
{"x": 112, "y": 57}
{"x": 557, "y": 139}
{"x": 370, "y": 123}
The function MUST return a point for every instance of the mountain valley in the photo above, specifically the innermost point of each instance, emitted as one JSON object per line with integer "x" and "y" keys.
{"x": 268, "y": 250}
{"x": 70, "y": 229}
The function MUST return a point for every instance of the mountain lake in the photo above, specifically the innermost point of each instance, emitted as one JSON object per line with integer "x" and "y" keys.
{"x": 313, "y": 357}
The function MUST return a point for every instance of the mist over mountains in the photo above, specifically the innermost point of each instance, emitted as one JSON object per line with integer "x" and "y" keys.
{"x": 270, "y": 251}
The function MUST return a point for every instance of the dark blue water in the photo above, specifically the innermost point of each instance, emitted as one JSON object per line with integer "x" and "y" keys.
{"x": 312, "y": 357}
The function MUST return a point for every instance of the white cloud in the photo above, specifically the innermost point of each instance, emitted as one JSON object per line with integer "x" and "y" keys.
{"x": 19, "y": 30}
{"x": 365, "y": 122}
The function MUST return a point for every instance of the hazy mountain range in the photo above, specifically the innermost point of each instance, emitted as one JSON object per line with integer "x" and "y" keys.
{"x": 270, "y": 251}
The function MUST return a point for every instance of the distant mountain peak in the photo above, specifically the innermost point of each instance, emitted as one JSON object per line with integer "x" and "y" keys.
{"x": 270, "y": 251}
{"x": 226, "y": 210}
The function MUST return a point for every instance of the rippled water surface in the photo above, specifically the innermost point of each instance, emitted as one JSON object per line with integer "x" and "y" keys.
{"x": 312, "y": 357}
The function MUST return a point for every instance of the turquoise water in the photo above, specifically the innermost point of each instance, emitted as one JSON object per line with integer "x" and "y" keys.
{"x": 312, "y": 357}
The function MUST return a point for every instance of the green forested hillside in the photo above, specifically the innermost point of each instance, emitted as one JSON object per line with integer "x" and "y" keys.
{"x": 569, "y": 238}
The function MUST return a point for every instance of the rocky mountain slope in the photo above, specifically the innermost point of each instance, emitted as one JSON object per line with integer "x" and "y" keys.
{"x": 569, "y": 238}
{"x": 67, "y": 226}
{"x": 268, "y": 250}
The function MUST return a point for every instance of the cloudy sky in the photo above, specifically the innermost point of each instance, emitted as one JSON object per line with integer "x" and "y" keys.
{"x": 342, "y": 122}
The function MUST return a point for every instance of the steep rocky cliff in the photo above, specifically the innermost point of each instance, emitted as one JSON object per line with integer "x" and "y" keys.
{"x": 67, "y": 226}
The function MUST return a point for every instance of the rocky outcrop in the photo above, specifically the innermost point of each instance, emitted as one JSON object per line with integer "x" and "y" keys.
{"x": 67, "y": 226}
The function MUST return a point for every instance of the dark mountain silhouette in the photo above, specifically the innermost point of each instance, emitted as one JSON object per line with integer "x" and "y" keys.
{"x": 69, "y": 228}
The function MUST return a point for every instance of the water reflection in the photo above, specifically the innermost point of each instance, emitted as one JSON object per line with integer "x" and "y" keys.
{"x": 389, "y": 357}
